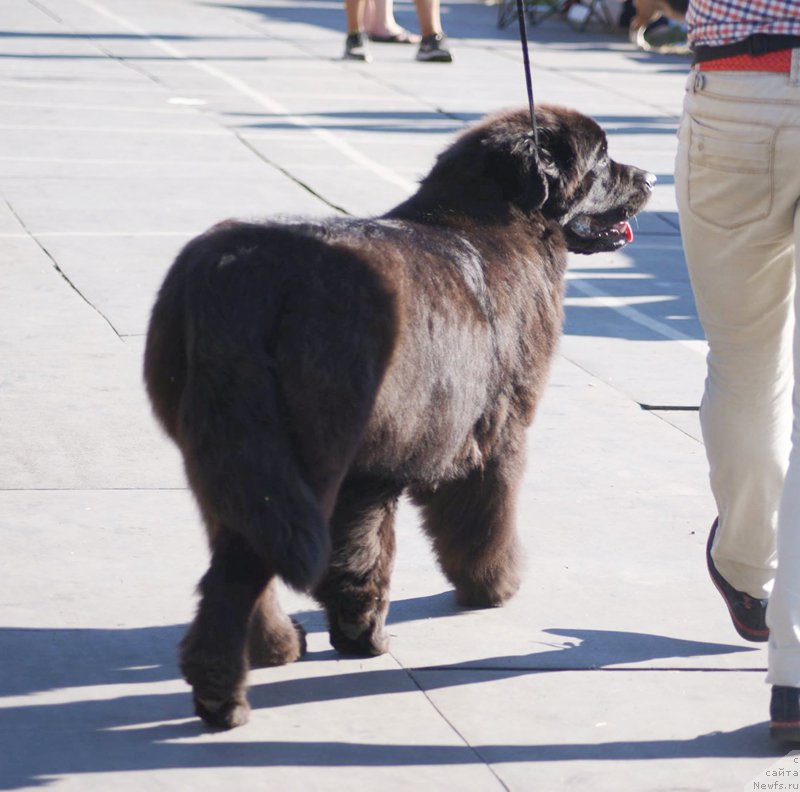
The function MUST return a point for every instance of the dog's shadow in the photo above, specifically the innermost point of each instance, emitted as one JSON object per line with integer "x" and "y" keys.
{"x": 112, "y": 727}
{"x": 430, "y": 606}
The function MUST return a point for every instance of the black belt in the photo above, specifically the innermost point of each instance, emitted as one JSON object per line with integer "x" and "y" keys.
{"x": 757, "y": 44}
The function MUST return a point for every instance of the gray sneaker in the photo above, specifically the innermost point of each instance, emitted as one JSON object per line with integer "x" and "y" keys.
{"x": 355, "y": 48}
{"x": 433, "y": 48}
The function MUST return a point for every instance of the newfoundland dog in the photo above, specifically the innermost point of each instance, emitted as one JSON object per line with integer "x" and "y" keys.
{"x": 310, "y": 371}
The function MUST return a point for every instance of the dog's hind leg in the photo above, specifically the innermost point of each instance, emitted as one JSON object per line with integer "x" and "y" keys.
{"x": 213, "y": 652}
{"x": 355, "y": 590}
{"x": 472, "y": 524}
{"x": 274, "y": 638}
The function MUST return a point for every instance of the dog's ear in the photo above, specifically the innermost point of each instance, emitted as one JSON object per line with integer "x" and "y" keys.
{"x": 520, "y": 169}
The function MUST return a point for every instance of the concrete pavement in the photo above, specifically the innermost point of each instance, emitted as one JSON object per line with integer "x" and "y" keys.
{"x": 128, "y": 127}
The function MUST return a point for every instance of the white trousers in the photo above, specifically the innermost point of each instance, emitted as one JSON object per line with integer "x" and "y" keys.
{"x": 737, "y": 179}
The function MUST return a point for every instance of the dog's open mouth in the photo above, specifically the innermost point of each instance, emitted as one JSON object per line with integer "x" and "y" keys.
{"x": 587, "y": 234}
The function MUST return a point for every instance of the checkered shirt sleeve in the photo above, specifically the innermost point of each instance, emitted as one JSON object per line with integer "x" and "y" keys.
{"x": 717, "y": 22}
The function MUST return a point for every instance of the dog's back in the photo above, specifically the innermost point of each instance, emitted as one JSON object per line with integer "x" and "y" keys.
{"x": 231, "y": 341}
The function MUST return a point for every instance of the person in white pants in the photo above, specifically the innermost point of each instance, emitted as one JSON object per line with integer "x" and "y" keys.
{"x": 737, "y": 180}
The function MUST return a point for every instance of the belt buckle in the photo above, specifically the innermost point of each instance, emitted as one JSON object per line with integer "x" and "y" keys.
{"x": 758, "y": 44}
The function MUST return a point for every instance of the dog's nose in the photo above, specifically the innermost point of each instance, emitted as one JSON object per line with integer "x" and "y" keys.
{"x": 649, "y": 180}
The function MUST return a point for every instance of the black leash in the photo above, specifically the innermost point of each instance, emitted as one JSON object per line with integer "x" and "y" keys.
{"x": 523, "y": 36}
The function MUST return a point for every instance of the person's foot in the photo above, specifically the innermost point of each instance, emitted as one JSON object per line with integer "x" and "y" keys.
{"x": 355, "y": 48}
{"x": 400, "y": 36}
{"x": 433, "y": 49}
{"x": 749, "y": 615}
{"x": 784, "y": 714}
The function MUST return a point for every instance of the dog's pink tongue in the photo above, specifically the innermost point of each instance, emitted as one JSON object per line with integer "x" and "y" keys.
{"x": 628, "y": 233}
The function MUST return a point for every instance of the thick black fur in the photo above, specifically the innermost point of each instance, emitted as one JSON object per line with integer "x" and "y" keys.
{"x": 312, "y": 371}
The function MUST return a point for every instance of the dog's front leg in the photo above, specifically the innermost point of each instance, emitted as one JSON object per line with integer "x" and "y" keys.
{"x": 472, "y": 524}
{"x": 355, "y": 590}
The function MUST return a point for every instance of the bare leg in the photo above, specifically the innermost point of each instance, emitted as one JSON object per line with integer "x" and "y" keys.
{"x": 354, "y": 12}
{"x": 646, "y": 10}
{"x": 471, "y": 523}
{"x": 379, "y": 19}
{"x": 355, "y": 591}
{"x": 213, "y": 651}
{"x": 429, "y": 16}
{"x": 274, "y": 638}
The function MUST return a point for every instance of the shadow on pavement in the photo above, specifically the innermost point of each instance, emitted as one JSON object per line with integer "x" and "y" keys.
{"x": 105, "y": 732}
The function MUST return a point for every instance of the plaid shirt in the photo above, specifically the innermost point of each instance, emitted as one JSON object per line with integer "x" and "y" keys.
{"x": 716, "y": 22}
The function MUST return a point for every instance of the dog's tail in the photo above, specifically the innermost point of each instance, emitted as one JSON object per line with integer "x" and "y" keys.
{"x": 214, "y": 388}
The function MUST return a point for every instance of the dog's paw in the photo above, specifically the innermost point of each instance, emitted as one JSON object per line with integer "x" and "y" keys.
{"x": 219, "y": 714}
{"x": 218, "y": 687}
{"x": 486, "y": 594}
{"x": 277, "y": 647}
{"x": 362, "y": 640}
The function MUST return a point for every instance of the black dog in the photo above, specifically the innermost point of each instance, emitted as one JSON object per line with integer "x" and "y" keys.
{"x": 312, "y": 371}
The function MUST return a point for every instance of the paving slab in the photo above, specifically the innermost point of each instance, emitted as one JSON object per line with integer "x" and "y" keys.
{"x": 590, "y": 736}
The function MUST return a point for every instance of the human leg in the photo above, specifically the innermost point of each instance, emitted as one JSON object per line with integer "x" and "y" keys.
{"x": 783, "y": 614}
{"x": 354, "y": 14}
{"x": 739, "y": 256}
{"x": 433, "y": 47}
{"x": 380, "y": 24}
{"x": 354, "y": 46}
{"x": 645, "y": 11}
{"x": 429, "y": 15}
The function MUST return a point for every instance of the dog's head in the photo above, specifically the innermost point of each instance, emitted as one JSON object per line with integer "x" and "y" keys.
{"x": 590, "y": 195}
{"x": 569, "y": 177}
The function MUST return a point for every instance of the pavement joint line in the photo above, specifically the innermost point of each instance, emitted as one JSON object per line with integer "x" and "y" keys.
{"x": 124, "y": 162}
{"x": 56, "y": 234}
{"x": 669, "y": 407}
{"x": 299, "y": 182}
{"x": 594, "y": 376}
{"x": 455, "y": 730}
{"x": 668, "y": 419}
{"x": 566, "y": 669}
{"x": 87, "y": 84}
{"x": 259, "y": 97}
{"x": 181, "y": 111}
{"x": 669, "y": 221}
{"x": 46, "y": 11}
{"x": 60, "y": 271}
{"x": 92, "y": 41}
{"x": 94, "y": 489}
{"x": 105, "y": 130}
